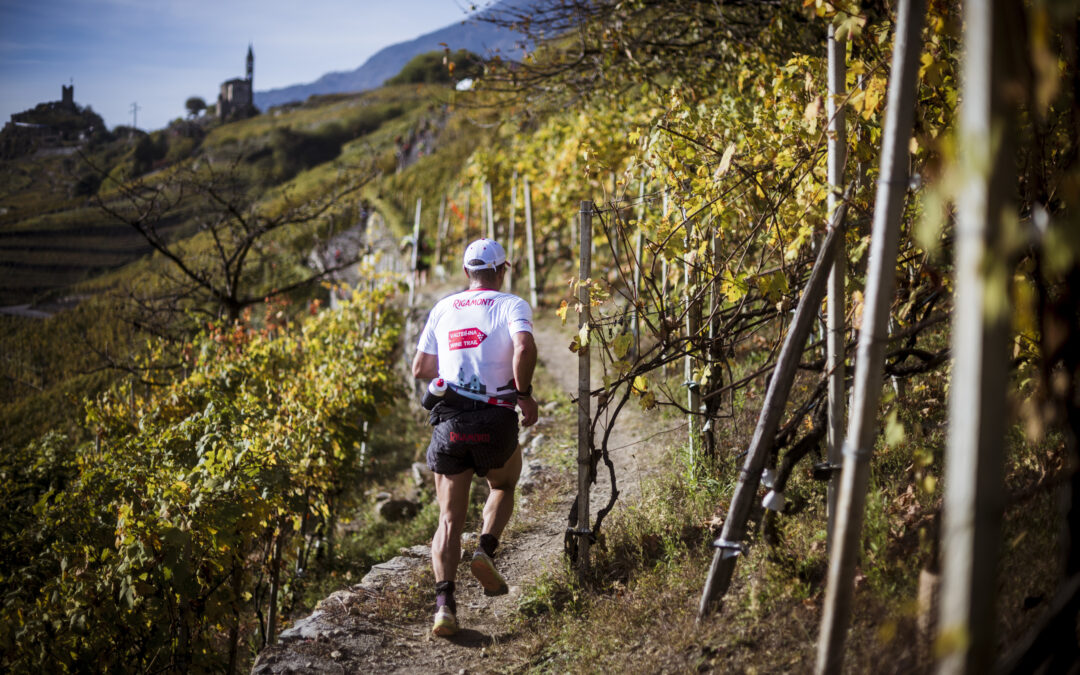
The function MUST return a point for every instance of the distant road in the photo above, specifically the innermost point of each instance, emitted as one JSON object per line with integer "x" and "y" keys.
{"x": 24, "y": 311}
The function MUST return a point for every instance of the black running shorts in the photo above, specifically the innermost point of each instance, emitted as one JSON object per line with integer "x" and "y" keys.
{"x": 481, "y": 439}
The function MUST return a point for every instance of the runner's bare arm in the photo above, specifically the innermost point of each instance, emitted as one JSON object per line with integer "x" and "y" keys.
{"x": 426, "y": 366}
{"x": 524, "y": 364}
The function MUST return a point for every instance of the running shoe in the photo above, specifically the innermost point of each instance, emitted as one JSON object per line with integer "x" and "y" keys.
{"x": 484, "y": 570}
{"x": 445, "y": 622}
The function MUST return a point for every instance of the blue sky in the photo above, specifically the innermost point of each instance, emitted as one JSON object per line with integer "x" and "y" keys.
{"x": 160, "y": 52}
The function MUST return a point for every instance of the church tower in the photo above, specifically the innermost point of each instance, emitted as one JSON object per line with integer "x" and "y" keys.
{"x": 237, "y": 98}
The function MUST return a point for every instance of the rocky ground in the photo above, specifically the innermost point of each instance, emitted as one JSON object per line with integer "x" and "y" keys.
{"x": 383, "y": 624}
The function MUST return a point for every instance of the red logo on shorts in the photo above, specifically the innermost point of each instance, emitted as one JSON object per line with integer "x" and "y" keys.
{"x": 455, "y": 437}
{"x": 466, "y": 338}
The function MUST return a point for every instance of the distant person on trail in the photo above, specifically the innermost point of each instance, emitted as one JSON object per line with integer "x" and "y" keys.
{"x": 479, "y": 343}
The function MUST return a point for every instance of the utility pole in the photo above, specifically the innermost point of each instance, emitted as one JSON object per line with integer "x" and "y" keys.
{"x": 135, "y": 107}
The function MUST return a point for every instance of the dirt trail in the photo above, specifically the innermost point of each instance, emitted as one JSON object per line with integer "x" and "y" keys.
{"x": 351, "y": 631}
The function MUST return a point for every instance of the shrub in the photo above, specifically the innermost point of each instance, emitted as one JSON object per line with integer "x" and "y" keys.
{"x": 438, "y": 67}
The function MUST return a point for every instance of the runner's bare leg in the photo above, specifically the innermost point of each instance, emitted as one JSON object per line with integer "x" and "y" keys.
{"x": 453, "y": 495}
{"x": 500, "y": 502}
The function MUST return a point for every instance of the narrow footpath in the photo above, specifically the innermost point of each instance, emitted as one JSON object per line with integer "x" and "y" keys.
{"x": 383, "y": 624}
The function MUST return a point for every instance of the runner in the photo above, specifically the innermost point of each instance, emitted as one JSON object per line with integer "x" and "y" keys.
{"x": 480, "y": 343}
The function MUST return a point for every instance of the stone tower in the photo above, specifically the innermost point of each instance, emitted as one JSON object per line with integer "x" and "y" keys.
{"x": 236, "y": 99}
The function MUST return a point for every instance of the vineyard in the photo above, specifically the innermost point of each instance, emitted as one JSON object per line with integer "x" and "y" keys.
{"x": 194, "y": 509}
{"x": 779, "y": 229}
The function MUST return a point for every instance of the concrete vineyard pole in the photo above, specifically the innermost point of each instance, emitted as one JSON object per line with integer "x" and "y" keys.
{"x": 584, "y": 414}
{"x": 490, "y": 214}
{"x": 974, "y": 457}
{"x": 880, "y": 287}
{"x": 510, "y": 236}
{"x": 664, "y": 263}
{"x": 413, "y": 273}
{"x": 729, "y": 546}
{"x": 530, "y": 248}
{"x": 440, "y": 232}
{"x": 638, "y": 262}
{"x": 834, "y": 320}
{"x": 465, "y": 223}
{"x": 615, "y": 221}
{"x": 693, "y": 323}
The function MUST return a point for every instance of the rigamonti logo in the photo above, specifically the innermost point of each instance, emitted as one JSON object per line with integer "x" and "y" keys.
{"x": 473, "y": 302}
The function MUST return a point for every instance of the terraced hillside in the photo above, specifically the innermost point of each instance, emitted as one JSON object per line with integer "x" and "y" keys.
{"x": 54, "y": 235}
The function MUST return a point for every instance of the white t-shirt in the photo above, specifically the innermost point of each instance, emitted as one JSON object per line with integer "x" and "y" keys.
{"x": 471, "y": 333}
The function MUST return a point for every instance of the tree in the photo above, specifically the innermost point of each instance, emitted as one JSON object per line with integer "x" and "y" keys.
{"x": 587, "y": 48}
{"x": 243, "y": 249}
{"x": 195, "y": 105}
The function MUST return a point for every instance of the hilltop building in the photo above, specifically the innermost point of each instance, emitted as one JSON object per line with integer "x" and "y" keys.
{"x": 49, "y": 125}
{"x": 236, "y": 100}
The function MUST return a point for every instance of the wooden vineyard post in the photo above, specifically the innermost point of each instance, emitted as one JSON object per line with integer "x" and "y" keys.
{"x": 974, "y": 457}
{"x": 413, "y": 273}
{"x": 837, "y": 294}
{"x": 510, "y": 236}
{"x": 275, "y": 582}
{"x": 880, "y": 287}
{"x": 584, "y": 407}
{"x": 490, "y": 213}
{"x": 529, "y": 245}
{"x": 729, "y": 546}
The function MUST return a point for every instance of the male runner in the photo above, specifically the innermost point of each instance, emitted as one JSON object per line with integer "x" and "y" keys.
{"x": 480, "y": 342}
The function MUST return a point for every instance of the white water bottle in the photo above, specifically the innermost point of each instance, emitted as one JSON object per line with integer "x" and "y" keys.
{"x": 436, "y": 389}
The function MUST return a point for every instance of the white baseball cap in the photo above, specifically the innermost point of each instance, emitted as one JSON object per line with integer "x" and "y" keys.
{"x": 487, "y": 250}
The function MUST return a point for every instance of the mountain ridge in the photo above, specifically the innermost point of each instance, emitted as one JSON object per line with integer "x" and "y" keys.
{"x": 472, "y": 33}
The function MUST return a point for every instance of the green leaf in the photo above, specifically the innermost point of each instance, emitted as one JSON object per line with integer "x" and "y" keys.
{"x": 621, "y": 345}
{"x": 894, "y": 431}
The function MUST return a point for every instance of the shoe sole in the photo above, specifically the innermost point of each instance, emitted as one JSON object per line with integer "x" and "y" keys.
{"x": 444, "y": 630}
{"x": 487, "y": 576}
